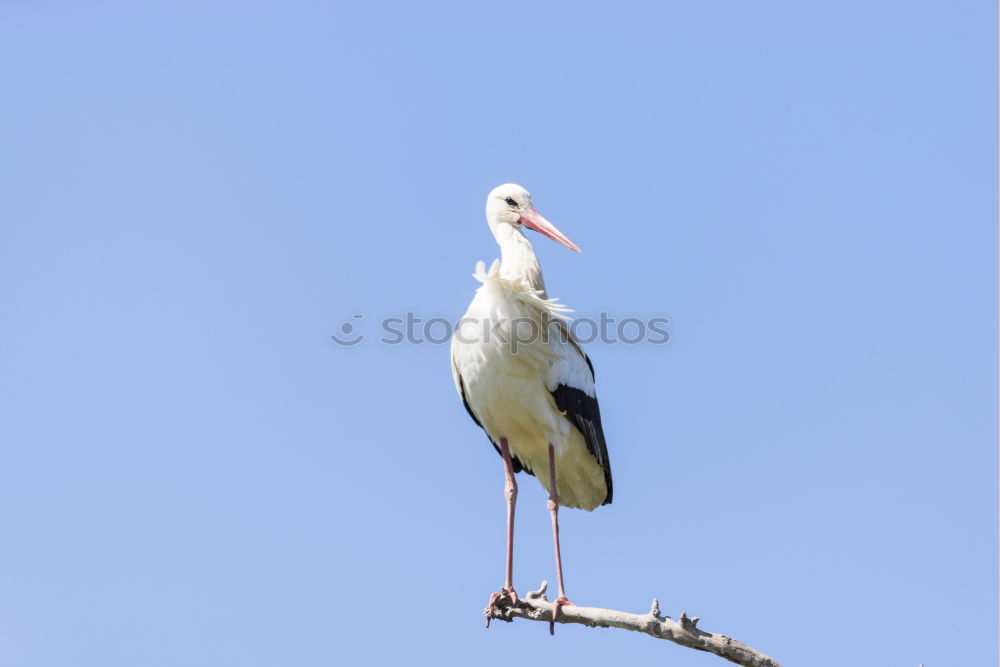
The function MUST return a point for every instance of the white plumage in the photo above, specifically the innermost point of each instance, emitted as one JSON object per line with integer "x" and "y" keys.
{"x": 511, "y": 393}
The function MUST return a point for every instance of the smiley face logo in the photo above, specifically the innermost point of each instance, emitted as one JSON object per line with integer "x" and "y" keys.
{"x": 349, "y": 336}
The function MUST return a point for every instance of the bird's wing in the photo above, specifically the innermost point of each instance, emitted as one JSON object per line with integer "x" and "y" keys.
{"x": 460, "y": 387}
{"x": 571, "y": 382}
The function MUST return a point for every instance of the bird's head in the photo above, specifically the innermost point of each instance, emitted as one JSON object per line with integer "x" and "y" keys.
{"x": 510, "y": 204}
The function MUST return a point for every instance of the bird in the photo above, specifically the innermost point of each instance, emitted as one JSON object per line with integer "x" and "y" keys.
{"x": 526, "y": 381}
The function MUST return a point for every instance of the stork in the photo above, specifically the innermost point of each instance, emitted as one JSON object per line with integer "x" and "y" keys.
{"x": 525, "y": 381}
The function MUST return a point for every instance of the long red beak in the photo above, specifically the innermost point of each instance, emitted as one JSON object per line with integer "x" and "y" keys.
{"x": 532, "y": 219}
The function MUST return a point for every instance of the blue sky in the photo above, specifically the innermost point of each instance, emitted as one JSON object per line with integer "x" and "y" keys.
{"x": 194, "y": 196}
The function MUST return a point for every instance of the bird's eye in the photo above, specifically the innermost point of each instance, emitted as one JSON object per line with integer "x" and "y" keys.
{"x": 510, "y": 201}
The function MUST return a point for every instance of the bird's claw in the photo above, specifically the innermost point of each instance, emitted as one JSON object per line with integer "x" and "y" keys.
{"x": 560, "y": 602}
{"x": 492, "y": 604}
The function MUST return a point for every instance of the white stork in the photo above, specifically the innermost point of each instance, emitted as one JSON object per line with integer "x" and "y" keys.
{"x": 524, "y": 379}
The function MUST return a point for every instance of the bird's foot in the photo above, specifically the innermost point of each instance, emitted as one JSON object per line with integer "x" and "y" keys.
{"x": 560, "y": 602}
{"x": 506, "y": 591}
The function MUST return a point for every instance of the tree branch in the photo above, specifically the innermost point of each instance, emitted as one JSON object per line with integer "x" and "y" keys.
{"x": 684, "y": 631}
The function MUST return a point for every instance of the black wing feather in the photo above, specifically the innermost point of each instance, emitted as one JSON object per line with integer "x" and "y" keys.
{"x": 515, "y": 462}
{"x": 584, "y": 412}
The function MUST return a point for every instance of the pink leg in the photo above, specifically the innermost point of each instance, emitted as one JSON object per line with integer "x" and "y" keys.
{"x": 510, "y": 493}
{"x": 553, "y": 503}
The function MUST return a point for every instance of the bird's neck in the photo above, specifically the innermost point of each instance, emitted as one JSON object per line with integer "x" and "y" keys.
{"x": 517, "y": 258}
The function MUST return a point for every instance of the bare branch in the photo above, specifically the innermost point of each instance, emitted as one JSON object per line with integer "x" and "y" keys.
{"x": 684, "y": 631}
